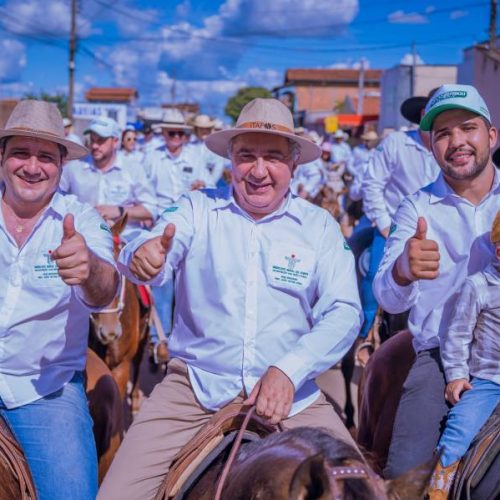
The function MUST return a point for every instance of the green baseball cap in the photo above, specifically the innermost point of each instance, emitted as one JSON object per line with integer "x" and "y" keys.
{"x": 454, "y": 97}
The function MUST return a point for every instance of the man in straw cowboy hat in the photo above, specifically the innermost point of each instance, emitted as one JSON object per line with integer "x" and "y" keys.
{"x": 401, "y": 164}
{"x": 440, "y": 237}
{"x": 266, "y": 300}
{"x": 57, "y": 266}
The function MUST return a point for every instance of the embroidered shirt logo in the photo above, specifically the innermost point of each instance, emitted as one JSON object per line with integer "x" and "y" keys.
{"x": 170, "y": 210}
{"x": 292, "y": 260}
{"x": 105, "y": 227}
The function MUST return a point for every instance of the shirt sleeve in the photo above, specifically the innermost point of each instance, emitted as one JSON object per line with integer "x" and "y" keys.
{"x": 336, "y": 313}
{"x": 99, "y": 240}
{"x": 455, "y": 350}
{"x": 378, "y": 173}
{"x": 182, "y": 215}
{"x": 392, "y": 297}
{"x": 144, "y": 192}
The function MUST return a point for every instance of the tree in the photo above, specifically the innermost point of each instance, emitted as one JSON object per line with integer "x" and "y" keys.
{"x": 236, "y": 103}
{"x": 59, "y": 99}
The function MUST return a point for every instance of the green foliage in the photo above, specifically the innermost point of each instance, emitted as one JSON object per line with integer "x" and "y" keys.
{"x": 60, "y": 100}
{"x": 243, "y": 96}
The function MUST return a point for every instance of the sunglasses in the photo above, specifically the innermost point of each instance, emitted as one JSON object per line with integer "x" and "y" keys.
{"x": 173, "y": 133}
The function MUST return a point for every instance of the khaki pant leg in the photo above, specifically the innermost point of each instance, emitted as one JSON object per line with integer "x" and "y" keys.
{"x": 167, "y": 420}
{"x": 321, "y": 414}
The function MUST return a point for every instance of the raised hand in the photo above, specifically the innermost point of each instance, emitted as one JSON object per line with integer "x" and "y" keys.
{"x": 149, "y": 258}
{"x": 72, "y": 256}
{"x": 420, "y": 258}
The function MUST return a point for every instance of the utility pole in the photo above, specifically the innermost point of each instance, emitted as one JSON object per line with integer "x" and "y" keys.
{"x": 71, "y": 63}
{"x": 173, "y": 90}
{"x": 361, "y": 86}
{"x": 493, "y": 24}
{"x": 413, "y": 68}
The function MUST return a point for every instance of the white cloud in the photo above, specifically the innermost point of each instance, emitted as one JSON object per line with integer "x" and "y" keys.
{"x": 350, "y": 64}
{"x": 430, "y": 9}
{"x": 41, "y": 17}
{"x": 13, "y": 60}
{"x": 402, "y": 17}
{"x": 457, "y": 14}
{"x": 407, "y": 60}
{"x": 184, "y": 8}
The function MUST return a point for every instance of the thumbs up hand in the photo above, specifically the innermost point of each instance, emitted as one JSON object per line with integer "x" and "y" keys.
{"x": 72, "y": 256}
{"x": 420, "y": 258}
{"x": 149, "y": 258}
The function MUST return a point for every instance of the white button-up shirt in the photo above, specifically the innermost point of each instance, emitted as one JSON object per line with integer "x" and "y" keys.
{"x": 249, "y": 294}
{"x": 134, "y": 159}
{"x": 360, "y": 157}
{"x": 213, "y": 163}
{"x": 400, "y": 166}
{"x": 173, "y": 175}
{"x": 462, "y": 232}
{"x": 341, "y": 152}
{"x": 310, "y": 176}
{"x": 44, "y": 323}
{"x": 121, "y": 185}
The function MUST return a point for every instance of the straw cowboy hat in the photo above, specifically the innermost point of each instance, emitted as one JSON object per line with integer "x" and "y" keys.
{"x": 412, "y": 108}
{"x": 173, "y": 119}
{"x": 267, "y": 116}
{"x": 495, "y": 229}
{"x": 203, "y": 121}
{"x": 371, "y": 135}
{"x": 41, "y": 120}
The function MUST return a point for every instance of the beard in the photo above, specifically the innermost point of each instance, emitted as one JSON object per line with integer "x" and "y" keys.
{"x": 471, "y": 172}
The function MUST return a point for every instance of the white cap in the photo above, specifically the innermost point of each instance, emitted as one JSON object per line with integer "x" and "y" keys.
{"x": 454, "y": 97}
{"x": 67, "y": 122}
{"x": 104, "y": 126}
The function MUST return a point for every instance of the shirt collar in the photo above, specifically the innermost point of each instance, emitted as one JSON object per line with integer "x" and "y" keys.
{"x": 117, "y": 165}
{"x": 440, "y": 189}
{"x": 413, "y": 139}
{"x": 492, "y": 273}
{"x": 289, "y": 207}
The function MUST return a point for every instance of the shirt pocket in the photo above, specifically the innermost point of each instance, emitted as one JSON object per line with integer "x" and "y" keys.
{"x": 118, "y": 193}
{"x": 290, "y": 266}
{"x": 43, "y": 271}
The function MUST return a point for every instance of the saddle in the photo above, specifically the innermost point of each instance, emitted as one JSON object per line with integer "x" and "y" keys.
{"x": 480, "y": 457}
{"x": 213, "y": 439}
{"x": 16, "y": 481}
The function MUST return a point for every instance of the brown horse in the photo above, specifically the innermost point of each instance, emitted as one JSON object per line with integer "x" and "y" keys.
{"x": 305, "y": 463}
{"x": 379, "y": 394}
{"x": 119, "y": 332}
{"x": 106, "y": 410}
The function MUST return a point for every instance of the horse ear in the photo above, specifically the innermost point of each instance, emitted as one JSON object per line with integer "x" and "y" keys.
{"x": 412, "y": 484}
{"x": 118, "y": 226}
{"x": 310, "y": 480}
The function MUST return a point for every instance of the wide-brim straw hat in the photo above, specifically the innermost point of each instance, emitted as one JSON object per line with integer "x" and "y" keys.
{"x": 41, "y": 120}
{"x": 371, "y": 135}
{"x": 266, "y": 116}
{"x": 203, "y": 121}
{"x": 173, "y": 119}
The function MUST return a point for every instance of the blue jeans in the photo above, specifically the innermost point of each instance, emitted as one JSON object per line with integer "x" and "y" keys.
{"x": 368, "y": 300}
{"x": 466, "y": 419}
{"x": 55, "y": 433}
{"x": 164, "y": 301}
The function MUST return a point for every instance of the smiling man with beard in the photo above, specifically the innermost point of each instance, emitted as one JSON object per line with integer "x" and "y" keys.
{"x": 266, "y": 300}
{"x": 440, "y": 237}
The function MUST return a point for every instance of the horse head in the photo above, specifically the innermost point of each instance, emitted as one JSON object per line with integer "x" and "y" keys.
{"x": 106, "y": 323}
{"x": 307, "y": 464}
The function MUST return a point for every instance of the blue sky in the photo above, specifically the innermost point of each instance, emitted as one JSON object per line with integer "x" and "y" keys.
{"x": 212, "y": 48}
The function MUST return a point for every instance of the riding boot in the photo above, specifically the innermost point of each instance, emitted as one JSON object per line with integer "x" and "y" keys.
{"x": 442, "y": 481}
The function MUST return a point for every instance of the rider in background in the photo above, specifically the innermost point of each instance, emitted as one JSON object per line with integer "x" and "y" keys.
{"x": 440, "y": 237}
{"x": 57, "y": 266}
{"x": 401, "y": 164}
{"x": 471, "y": 357}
